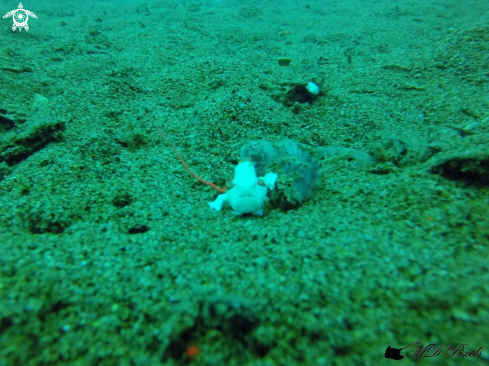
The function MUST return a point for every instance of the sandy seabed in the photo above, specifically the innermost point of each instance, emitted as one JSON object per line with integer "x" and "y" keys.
{"x": 109, "y": 252}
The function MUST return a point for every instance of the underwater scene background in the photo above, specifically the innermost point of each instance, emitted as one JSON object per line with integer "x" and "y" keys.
{"x": 373, "y": 116}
